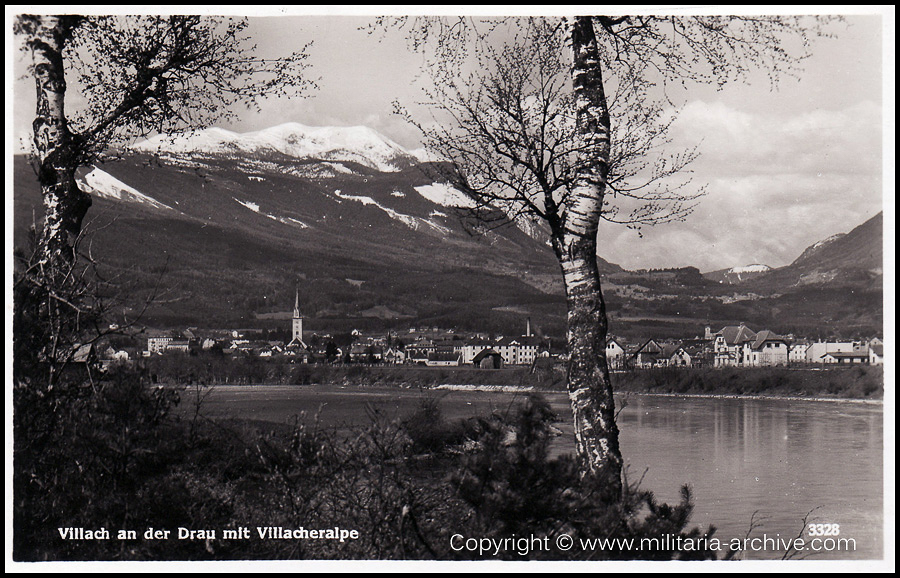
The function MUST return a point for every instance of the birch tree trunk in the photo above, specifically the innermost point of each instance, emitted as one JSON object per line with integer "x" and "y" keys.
{"x": 64, "y": 203}
{"x": 589, "y": 386}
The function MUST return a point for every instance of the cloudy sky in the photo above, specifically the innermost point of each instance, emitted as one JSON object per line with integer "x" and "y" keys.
{"x": 783, "y": 168}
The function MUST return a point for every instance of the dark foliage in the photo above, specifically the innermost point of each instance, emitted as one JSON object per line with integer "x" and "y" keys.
{"x": 856, "y": 382}
{"x": 429, "y": 432}
{"x": 515, "y": 489}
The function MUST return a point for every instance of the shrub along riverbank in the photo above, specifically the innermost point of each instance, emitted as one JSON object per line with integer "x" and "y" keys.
{"x": 859, "y": 382}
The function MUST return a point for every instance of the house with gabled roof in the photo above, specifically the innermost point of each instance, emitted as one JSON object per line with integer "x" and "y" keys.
{"x": 876, "y": 354}
{"x": 675, "y": 355}
{"x": 729, "y": 345}
{"x": 647, "y": 355}
{"x": 488, "y": 359}
{"x": 615, "y": 354}
{"x": 767, "y": 349}
{"x": 393, "y": 355}
{"x": 472, "y": 348}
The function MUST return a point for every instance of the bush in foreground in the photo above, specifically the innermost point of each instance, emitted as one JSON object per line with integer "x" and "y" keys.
{"x": 113, "y": 457}
{"x": 515, "y": 489}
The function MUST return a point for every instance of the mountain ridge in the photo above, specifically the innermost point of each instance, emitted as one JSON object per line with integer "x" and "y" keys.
{"x": 853, "y": 259}
{"x": 233, "y": 243}
{"x": 358, "y": 144}
{"x": 231, "y": 234}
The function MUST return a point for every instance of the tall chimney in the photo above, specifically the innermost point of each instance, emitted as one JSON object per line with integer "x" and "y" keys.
{"x": 528, "y": 327}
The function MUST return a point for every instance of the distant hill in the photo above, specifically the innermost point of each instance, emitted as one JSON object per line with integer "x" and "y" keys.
{"x": 853, "y": 260}
{"x": 810, "y": 253}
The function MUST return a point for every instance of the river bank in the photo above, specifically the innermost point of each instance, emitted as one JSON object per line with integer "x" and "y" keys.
{"x": 858, "y": 382}
{"x": 528, "y": 389}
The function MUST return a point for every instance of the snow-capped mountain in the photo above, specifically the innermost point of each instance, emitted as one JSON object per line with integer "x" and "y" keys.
{"x": 228, "y": 237}
{"x": 425, "y": 208}
{"x": 234, "y": 220}
{"x": 319, "y": 153}
{"x": 355, "y": 144}
{"x": 756, "y": 268}
{"x": 737, "y": 274}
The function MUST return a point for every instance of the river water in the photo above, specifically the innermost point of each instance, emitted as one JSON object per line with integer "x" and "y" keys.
{"x": 768, "y": 460}
{"x": 778, "y": 459}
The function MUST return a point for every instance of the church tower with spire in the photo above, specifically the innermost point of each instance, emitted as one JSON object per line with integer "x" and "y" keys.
{"x": 297, "y": 321}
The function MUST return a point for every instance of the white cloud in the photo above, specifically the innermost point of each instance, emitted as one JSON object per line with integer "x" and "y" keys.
{"x": 816, "y": 142}
{"x": 776, "y": 184}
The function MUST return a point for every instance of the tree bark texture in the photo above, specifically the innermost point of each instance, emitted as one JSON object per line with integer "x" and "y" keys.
{"x": 589, "y": 385}
{"x": 55, "y": 146}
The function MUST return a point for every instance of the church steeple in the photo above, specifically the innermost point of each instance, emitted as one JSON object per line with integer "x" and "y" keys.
{"x": 297, "y": 320}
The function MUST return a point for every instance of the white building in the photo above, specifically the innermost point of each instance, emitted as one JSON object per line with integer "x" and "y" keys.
{"x": 876, "y": 354}
{"x": 767, "y": 349}
{"x": 472, "y": 349}
{"x": 859, "y": 356}
{"x": 158, "y": 344}
{"x": 615, "y": 354}
{"x": 797, "y": 352}
{"x": 518, "y": 350}
{"x": 817, "y": 350}
{"x": 729, "y": 345}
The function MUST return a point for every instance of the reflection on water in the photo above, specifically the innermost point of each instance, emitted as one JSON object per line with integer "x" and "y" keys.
{"x": 778, "y": 458}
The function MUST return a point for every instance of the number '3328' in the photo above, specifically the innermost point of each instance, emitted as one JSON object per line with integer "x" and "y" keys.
{"x": 824, "y": 529}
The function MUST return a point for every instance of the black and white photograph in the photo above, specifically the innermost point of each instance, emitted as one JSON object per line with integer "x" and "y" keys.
{"x": 443, "y": 288}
